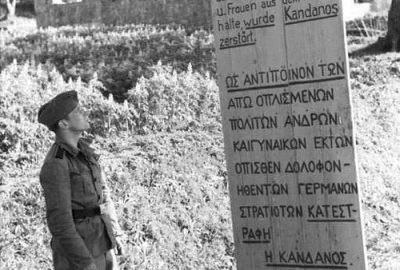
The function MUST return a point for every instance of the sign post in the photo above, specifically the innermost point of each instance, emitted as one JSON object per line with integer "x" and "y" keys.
{"x": 289, "y": 142}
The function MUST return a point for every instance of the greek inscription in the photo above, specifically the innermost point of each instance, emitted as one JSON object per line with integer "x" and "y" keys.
{"x": 268, "y": 255}
{"x": 327, "y": 188}
{"x": 252, "y": 123}
{"x": 246, "y": 168}
{"x": 332, "y": 142}
{"x": 262, "y": 190}
{"x": 319, "y": 211}
{"x": 327, "y": 258}
{"x": 314, "y": 166}
{"x": 279, "y": 75}
{"x": 256, "y": 234}
{"x": 279, "y": 211}
{"x": 240, "y": 103}
{"x": 313, "y": 119}
{"x": 231, "y": 81}
{"x": 332, "y": 69}
{"x": 288, "y": 98}
{"x": 269, "y": 145}
{"x": 338, "y": 211}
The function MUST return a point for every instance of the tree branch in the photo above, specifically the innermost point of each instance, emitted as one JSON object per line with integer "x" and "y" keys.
{"x": 11, "y": 4}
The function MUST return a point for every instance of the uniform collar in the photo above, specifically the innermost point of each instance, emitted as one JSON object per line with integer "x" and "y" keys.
{"x": 74, "y": 151}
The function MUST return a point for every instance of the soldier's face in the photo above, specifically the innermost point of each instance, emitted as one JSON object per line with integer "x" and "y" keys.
{"x": 78, "y": 119}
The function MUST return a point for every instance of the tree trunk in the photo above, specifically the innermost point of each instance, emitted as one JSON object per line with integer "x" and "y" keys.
{"x": 11, "y": 4}
{"x": 393, "y": 35}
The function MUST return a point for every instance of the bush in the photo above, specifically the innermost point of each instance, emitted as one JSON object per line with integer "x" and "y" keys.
{"x": 166, "y": 102}
{"x": 170, "y": 101}
{"x": 172, "y": 199}
{"x": 119, "y": 55}
{"x": 171, "y": 187}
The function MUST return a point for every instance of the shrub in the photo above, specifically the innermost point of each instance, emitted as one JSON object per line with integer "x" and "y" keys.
{"x": 166, "y": 102}
{"x": 170, "y": 101}
{"x": 119, "y": 55}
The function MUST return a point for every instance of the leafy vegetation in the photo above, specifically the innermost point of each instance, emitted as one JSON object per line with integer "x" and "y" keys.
{"x": 375, "y": 88}
{"x": 118, "y": 55}
{"x": 173, "y": 217}
{"x": 162, "y": 145}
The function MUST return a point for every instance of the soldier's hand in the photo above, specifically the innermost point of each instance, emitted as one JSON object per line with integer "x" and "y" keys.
{"x": 103, "y": 208}
{"x": 120, "y": 246}
{"x": 92, "y": 266}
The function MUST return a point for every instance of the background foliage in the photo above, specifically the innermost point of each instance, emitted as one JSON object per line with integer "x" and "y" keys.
{"x": 119, "y": 55}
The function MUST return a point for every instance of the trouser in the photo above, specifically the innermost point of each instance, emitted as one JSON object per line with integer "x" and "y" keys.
{"x": 106, "y": 261}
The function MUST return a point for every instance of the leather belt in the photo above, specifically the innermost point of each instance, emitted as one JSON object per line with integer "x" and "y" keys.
{"x": 87, "y": 212}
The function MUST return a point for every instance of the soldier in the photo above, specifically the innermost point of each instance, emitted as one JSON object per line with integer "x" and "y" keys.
{"x": 80, "y": 214}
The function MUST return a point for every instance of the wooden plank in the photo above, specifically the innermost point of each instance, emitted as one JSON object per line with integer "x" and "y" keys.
{"x": 289, "y": 143}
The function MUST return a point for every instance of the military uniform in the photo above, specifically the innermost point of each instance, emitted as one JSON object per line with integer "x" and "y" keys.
{"x": 80, "y": 213}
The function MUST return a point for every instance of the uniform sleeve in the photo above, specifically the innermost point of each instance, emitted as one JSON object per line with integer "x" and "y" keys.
{"x": 56, "y": 183}
{"x": 110, "y": 208}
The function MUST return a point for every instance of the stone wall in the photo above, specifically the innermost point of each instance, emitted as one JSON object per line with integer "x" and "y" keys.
{"x": 191, "y": 13}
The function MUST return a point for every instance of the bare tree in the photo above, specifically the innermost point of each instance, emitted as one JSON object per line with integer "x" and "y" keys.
{"x": 393, "y": 34}
{"x": 11, "y": 4}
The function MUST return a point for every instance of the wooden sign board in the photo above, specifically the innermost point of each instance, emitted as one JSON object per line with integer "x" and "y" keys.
{"x": 289, "y": 143}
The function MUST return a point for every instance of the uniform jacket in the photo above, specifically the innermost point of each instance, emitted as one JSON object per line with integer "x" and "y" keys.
{"x": 71, "y": 178}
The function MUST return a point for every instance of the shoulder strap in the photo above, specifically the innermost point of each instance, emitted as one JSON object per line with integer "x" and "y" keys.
{"x": 60, "y": 153}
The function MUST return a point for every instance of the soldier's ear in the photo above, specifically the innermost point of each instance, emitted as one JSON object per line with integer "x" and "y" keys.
{"x": 63, "y": 124}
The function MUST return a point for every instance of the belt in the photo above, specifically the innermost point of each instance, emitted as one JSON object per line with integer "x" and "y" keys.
{"x": 87, "y": 212}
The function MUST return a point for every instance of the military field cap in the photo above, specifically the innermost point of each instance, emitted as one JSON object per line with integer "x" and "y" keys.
{"x": 58, "y": 108}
